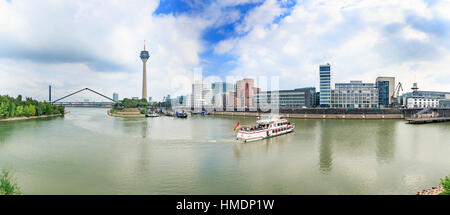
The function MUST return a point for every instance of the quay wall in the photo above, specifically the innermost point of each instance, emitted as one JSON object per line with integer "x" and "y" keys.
{"x": 334, "y": 113}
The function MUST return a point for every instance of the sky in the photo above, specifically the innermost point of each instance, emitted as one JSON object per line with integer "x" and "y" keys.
{"x": 75, "y": 44}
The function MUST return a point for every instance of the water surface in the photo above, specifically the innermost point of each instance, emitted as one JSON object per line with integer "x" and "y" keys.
{"x": 88, "y": 152}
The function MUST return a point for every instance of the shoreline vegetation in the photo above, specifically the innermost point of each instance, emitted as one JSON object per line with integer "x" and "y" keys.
{"x": 34, "y": 117}
{"x": 442, "y": 189}
{"x": 7, "y": 185}
{"x": 135, "y": 108}
{"x": 13, "y": 109}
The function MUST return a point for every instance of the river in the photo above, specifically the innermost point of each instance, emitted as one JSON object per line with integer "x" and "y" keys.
{"x": 89, "y": 152}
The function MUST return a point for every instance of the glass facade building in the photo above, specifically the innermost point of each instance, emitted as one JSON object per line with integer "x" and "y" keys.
{"x": 298, "y": 98}
{"x": 386, "y": 88}
{"x": 355, "y": 94}
{"x": 383, "y": 93}
{"x": 325, "y": 85}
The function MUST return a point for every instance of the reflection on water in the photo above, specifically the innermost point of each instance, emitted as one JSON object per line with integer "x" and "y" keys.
{"x": 88, "y": 152}
{"x": 385, "y": 135}
{"x": 325, "y": 151}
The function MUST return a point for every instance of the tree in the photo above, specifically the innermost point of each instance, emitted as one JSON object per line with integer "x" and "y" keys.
{"x": 19, "y": 110}
{"x": 19, "y": 100}
{"x": 4, "y": 110}
{"x": 32, "y": 110}
{"x": 26, "y": 111}
{"x": 12, "y": 109}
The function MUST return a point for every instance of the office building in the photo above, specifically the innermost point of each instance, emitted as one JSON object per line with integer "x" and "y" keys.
{"x": 298, "y": 98}
{"x": 386, "y": 88}
{"x": 201, "y": 94}
{"x": 423, "y": 99}
{"x": 116, "y": 97}
{"x": 421, "y": 102}
{"x": 149, "y": 99}
{"x": 355, "y": 94}
{"x": 325, "y": 85}
{"x": 221, "y": 88}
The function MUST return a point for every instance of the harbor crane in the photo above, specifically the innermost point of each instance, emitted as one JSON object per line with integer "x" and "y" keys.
{"x": 396, "y": 93}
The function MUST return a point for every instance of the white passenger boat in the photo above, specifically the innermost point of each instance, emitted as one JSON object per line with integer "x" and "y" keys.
{"x": 265, "y": 128}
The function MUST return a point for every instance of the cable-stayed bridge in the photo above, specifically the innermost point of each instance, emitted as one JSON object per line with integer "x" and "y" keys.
{"x": 83, "y": 104}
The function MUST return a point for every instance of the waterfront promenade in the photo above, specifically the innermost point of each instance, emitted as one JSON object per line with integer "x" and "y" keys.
{"x": 331, "y": 113}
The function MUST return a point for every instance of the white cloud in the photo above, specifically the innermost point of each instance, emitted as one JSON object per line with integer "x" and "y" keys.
{"x": 76, "y": 44}
{"x": 96, "y": 44}
{"x": 412, "y": 34}
{"x": 352, "y": 35}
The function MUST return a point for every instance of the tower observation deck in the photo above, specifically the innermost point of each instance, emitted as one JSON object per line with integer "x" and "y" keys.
{"x": 144, "y": 57}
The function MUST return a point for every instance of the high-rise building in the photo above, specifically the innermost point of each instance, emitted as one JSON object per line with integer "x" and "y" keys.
{"x": 325, "y": 85}
{"x": 219, "y": 90}
{"x": 49, "y": 93}
{"x": 144, "y": 57}
{"x": 116, "y": 97}
{"x": 201, "y": 94}
{"x": 355, "y": 94}
{"x": 197, "y": 94}
{"x": 245, "y": 92}
{"x": 386, "y": 88}
{"x": 149, "y": 99}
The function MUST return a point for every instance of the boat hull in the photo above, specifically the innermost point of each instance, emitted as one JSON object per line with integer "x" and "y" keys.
{"x": 263, "y": 134}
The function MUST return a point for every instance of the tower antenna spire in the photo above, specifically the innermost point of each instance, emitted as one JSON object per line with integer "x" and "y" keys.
{"x": 144, "y": 45}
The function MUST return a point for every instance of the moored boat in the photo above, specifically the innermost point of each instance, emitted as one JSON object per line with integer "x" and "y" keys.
{"x": 181, "y": 114}
{"x": 265, "y": 128}
{"x": 152, "y": 115}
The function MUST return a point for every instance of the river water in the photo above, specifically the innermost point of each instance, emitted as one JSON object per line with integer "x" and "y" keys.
{"x": 88, "y": 152}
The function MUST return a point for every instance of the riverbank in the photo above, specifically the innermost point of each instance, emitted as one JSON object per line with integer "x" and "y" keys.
{"x": 314, "y": 116}
{"x": 432, "y": 191}
{"x": 127, "y": 114}
{"x": 34, "y": 117}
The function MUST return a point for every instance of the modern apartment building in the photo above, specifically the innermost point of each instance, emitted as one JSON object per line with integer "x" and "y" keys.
{"x": 245, "y": 92}
{"x": 355, "y": 94}
{"x": 325, "y": 85}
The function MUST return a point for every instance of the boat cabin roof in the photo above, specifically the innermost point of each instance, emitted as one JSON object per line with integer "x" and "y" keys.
{"x": 270, "y": 121}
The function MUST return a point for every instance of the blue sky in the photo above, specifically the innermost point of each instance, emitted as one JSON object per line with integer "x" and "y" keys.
{"x": 95, "y": 44}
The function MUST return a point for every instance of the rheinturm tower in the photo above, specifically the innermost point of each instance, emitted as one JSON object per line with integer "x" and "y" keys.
{"x": 144, "y": 57}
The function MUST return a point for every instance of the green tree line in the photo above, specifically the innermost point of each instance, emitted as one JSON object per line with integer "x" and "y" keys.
{"x": 139, "y": 103}
{"x": 16, "y": 107}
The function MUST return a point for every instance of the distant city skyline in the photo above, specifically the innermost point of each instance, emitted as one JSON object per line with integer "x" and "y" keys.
{"x": 72, "y": 45}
